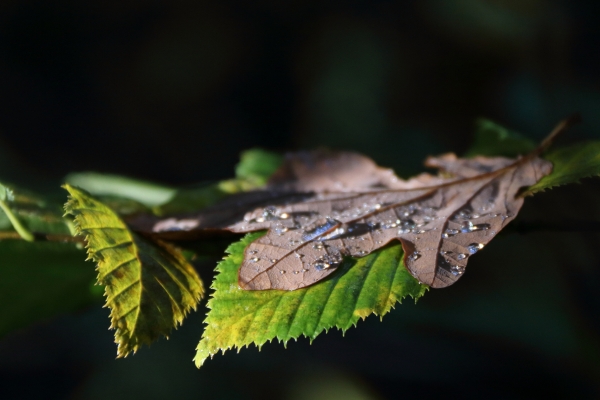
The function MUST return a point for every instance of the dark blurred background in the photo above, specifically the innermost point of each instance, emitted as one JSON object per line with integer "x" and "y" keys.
{"x": 173, "y": 91}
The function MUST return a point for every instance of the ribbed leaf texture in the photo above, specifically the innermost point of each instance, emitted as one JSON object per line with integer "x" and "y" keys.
{"x": 238, "y": 318}
{"x": 149, "y": 286}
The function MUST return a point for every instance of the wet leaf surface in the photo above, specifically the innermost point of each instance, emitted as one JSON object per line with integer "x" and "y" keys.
{"x": 439, "y": 226}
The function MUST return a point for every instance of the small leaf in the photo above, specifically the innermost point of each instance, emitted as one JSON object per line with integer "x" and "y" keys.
{"x": 238, "y": 318}
{"x": 150, "y": 287}
{"x": 570, "y": 164}
{"x": 257, "y": 166}
{"x": 148, "y": 193}
{"x": 492, "y": 139}
{"x": 40, "y": 280}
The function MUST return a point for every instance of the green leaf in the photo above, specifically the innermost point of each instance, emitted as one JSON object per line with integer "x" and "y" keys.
{"x": 570, "y": 164}
{"x": 148, "y": 193}
{"x": 29, "y": 213}
{"x": 150, "y": 287}
{"x": 364, "y": 286}
{"x": 40, "y": 280}
{"x": 257, "y": 165}
{"x": 492, "y": 139}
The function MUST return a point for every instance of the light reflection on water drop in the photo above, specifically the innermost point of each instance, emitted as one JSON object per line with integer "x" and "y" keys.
{"x": 474, "y": 247}
{"x": 450, "y": 232}
{"x": 328, "y": 261}
{"x": 457, "y": 270}
{"x": 480, "y": 227}
{"x": 320, "y": 229}
{"x": 467, "y": 227}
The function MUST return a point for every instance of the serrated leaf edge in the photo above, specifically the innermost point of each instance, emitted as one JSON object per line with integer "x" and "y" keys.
{"x": 390, "y": 304}
{"x": 92, "y": 255}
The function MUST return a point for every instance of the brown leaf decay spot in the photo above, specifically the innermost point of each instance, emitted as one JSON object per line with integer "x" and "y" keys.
{"x": 321, "y": 206}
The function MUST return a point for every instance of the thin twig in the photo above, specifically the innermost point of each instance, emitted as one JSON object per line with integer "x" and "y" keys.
{"x": 12, "y": 235}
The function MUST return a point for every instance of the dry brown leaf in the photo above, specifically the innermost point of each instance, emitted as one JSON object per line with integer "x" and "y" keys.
{"x": 440, "y": 226}
{"x": 321, "y": 206}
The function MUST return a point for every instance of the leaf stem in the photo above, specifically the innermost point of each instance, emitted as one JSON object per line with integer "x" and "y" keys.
{"x": 42, "y": 237}
{"x": 21, "y": 230}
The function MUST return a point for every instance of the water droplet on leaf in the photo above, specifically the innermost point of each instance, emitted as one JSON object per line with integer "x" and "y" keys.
{"x": 474, "y": 247}
{"x": 457, "y": 270}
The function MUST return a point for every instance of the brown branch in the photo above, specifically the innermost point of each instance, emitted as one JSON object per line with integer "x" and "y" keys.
{"x": 11, "y": 235}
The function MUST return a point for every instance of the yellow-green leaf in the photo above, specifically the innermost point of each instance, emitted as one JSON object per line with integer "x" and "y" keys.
{"x": 360, "y": 287}
{"x": 149, "y": 286}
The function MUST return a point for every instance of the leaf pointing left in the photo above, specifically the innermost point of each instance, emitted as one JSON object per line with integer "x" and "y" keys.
{"x": 150, "y": 287}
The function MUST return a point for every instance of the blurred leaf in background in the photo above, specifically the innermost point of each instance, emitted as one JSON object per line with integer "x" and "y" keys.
{"x": 41, "y": 280}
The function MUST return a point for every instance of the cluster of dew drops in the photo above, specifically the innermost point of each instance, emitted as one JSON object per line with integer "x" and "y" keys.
{"x": 411, "y": 219}
{"x": 332, "y": 258}
{"x": 464, "y": 219}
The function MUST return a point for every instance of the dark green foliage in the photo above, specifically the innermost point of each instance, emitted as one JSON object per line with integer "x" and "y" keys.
{"x": 41, "y": 280}
{"x": 492, "y": 139}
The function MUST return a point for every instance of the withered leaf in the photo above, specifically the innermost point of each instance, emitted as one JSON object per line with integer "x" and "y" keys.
{"x": 440, "y": 227}
{"x": 322, "y": 206}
